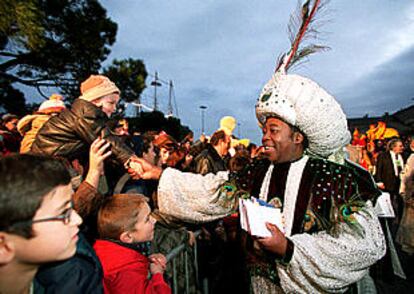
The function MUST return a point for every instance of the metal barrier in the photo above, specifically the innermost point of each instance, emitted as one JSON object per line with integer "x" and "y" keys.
{"x": 181, "y": 250}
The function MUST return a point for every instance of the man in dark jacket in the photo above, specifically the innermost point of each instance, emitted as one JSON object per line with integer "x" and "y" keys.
{"x": 210, "y": 160}
{"x": 388, "y": 169}
{"x": 212, "y": 262}
{"x": 70, "y": 134}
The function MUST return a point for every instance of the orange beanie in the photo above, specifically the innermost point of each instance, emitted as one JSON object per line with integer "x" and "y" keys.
{"x": 97, "y": 86}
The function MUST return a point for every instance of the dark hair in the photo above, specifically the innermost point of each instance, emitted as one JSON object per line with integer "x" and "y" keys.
{"x": 8, "y": 117}
{"x": 147, "y": 139}
{"x": 239, "y": 161}
{"x": 119, "y": 214}
{"x": 25, "y": 180}
{"x": 251, "y": 147}
{"x": 217, "y": 137}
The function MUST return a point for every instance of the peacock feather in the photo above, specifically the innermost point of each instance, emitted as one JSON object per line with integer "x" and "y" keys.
{"x": 301, "y": 28}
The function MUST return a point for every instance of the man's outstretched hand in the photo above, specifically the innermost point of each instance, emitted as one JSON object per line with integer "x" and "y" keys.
{"x": 141, "y": 169}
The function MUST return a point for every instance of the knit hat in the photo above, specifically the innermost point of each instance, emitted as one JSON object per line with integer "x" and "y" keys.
{"x": 302, "y": 103}
{"x": 97, "y": 86}
{"x": 54, "y": 104}
{"x": 228, "y": 124}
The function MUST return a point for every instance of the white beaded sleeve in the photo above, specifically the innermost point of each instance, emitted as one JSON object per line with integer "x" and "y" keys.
{"x": 323, "y": 263}
{"x": 192, "y": 197}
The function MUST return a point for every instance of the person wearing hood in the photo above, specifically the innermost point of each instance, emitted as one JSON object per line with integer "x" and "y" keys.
{"x": 29, "y": 125}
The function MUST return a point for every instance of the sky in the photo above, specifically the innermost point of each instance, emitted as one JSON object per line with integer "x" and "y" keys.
{"x": 220, "y": 53}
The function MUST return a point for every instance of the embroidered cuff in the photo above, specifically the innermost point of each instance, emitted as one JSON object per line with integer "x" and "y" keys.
{"x": 285, "y": 260}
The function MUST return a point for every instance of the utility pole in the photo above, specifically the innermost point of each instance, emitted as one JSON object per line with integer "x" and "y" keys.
{"x": 170, "y": 93}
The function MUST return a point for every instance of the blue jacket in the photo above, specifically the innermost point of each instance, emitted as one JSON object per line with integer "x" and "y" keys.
{"x": 80, "y": 274}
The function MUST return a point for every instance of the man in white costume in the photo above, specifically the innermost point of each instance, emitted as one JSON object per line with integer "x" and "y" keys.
{"x": 332, "y": 235}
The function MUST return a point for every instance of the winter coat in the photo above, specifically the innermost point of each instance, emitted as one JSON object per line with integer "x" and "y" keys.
{"x": 70, "y": 133}
{"x": 385, "y": 173}
{"x": 28, "y": 127}
{"x": 126, "y": 270}
{"x": 209, "y": 161}
{"x": 79, "y": 274}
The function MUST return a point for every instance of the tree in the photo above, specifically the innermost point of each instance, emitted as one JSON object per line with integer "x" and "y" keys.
{"x": 11, "y": 100}
{"x": 53, "y": 43}
{"x": 129, "y": 75}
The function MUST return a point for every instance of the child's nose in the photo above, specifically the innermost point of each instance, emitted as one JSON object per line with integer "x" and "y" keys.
{"x": 75, "y": 218}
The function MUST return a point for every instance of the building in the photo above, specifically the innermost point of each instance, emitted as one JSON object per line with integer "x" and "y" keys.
{"x": 402, "y": 121}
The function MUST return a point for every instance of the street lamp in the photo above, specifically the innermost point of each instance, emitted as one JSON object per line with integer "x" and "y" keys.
{"x": 202, "y": 109}
{"x": 155, "y": 84}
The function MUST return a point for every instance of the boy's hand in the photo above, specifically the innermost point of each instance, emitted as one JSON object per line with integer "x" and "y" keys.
{"x": 158, "y": 263}
{"x": 277, "y": 243}
{"x": 97, "y": 155}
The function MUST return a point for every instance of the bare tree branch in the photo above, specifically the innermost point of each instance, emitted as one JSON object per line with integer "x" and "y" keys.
{"x": 36, "y": 82}
{"x": 8, "y": 54}
{"x": 41, "y": 93}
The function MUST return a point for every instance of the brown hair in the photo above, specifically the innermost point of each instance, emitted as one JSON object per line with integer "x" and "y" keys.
{"x": 217, "y": 137}
{"x": 239, "y": 161}
{"x": 24, "y": 182}
{"x": 119, "y": 214}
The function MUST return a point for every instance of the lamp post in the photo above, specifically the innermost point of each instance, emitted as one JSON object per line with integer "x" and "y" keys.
{"x": 155, "y": 84}
{"x": 202, "y": 109}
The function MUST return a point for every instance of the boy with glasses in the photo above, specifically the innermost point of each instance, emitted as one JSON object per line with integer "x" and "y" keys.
{"x": 37, "y": 221}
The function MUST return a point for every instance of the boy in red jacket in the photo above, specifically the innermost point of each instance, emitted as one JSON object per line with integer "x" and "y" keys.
{"x": 125, "y": 229}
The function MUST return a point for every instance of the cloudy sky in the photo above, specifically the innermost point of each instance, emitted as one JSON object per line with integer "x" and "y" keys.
{"x": 220, "y": 53}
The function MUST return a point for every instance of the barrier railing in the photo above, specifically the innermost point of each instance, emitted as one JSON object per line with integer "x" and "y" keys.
{"x": 181, "y": 251}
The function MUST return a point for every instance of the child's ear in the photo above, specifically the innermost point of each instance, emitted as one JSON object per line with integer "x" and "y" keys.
{"x": 126, "y": 237}
{"x": 7, "y": 250}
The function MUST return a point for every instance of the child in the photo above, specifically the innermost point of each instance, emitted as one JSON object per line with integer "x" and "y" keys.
{"x": 125, "y": 228}
{"x": 37, "y": 222}
{"x": 83, "y": 272}
{"x": 29, "y": 125}
{"x": 70, "y": 133}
